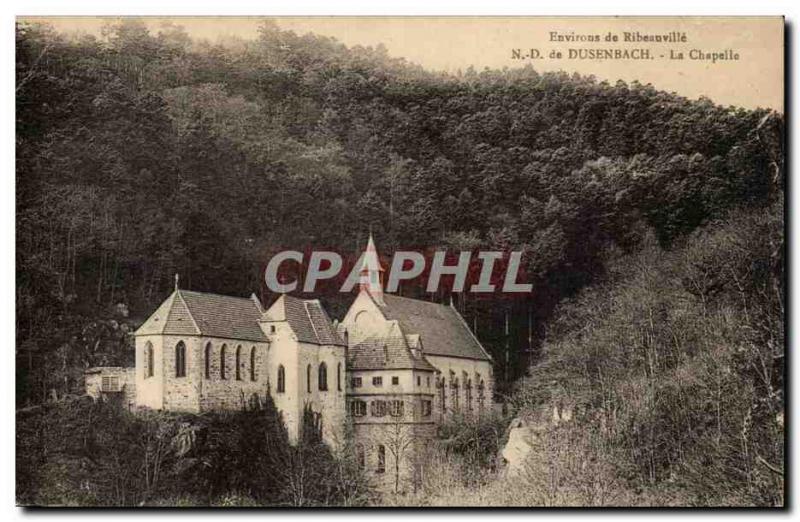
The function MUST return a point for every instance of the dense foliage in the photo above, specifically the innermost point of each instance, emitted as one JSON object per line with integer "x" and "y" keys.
{"x": 661, "y": 385}
{"x": 79, "y": 452}
{"x": 675, "y": 363}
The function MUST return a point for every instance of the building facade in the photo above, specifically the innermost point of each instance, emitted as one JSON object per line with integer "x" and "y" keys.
{"x": 389, "y": 373}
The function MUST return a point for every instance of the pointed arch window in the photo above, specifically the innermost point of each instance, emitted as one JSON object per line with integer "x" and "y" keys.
{"x": 381, "y": 459}
{"x": 253, "y": 375}
{"x": 308, "y": 378}
{"x": 361, "y": 458}
{"x": 222, "y": 361}
{"x": 207, "y": 358}
{"x": 149, "y": 366}
{"x": 281, "y": 379}
{"x": 180, "y": 359}
{"x": 239, "y": 363}
{"x": 481, "y": 392}
{"x": 323, "y": 377}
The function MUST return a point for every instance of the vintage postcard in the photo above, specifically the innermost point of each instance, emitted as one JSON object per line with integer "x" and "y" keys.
{"x": 400, "y": 261}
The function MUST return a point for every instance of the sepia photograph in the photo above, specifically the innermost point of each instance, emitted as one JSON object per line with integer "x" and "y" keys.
{"x": 400, "y": 262}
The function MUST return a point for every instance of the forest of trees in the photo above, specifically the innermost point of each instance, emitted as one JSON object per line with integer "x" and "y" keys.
{"x": 143, "y": 153}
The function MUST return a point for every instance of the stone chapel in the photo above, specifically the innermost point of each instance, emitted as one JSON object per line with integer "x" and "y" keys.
{"x": 390, "y": 371}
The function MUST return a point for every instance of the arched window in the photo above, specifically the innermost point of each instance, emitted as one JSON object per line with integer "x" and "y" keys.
{"x": 222, "y": 361}
{"x": 361, "y": 457}
{"x": 239, "y": 363}
{"x": 308, "y": 378}
{"x": 323, "y": 377}
{"x": 180, "y": 359}
{"x": 208, "y": 360}
{"x": 440, "y": 383}
{"x": 281, "y": 379}
{"x": 253, "y": 363}
{"x": 339, "y": 377}
{"x": 149, "y": 366}
{"x": 381, "y": 459}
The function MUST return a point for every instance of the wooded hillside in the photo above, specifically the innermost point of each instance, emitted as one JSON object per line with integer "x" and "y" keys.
{"x": 141, "y": 154}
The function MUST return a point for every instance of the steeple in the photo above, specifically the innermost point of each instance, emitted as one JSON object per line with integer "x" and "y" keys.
{"x": 371, "y": 274}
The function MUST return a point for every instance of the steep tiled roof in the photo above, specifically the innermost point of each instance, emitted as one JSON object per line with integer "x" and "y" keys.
{"x": 441, "y": 328}
{"x": 197, "y": 313}
{"x": 307, "y": 319}
{"x": 389, "y": 351}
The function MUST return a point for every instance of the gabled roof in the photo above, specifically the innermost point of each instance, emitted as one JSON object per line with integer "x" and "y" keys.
{"x": 306, "y": 318}
{"x": 197, "y": 313}
{"x": 441, "y": 328}
{"x": 387, "y": 351}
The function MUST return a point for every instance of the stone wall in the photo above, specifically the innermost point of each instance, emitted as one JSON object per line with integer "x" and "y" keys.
{"x": 405, "y": 448}
{"x": 119, "y": 379}
{"x": 230, "y": 392}
{"x": 403, "y": 437}
{"x": 195, "y": 392}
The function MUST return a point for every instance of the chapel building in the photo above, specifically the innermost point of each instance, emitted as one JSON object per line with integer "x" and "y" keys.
{"x": 391, "y": 371}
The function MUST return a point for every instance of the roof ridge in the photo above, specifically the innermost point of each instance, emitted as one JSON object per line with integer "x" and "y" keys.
{"x": 466, "y": 326}
{"x": 215, "y": 294}
{"x": 416, "y": 300}
{"x": 161, "y": 327}
{"x": 380, "y": 306}
{"x": 311, "y": 320}
{"x": 257, "y": 302}
{"x": 188, "y": 311}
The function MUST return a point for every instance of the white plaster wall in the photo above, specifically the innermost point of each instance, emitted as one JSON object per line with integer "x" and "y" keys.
{"x": 362, "y": 318}
{"x": 149, "y": 390}
{"x": 284, "y": 351}
{"x": 331, "y": 403}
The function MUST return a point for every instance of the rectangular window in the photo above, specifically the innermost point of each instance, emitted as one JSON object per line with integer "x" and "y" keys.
{"x": 355, "y": 382}
{"x": 381, "y": 459}
{"x": 419, "y": 380}
{"x": 429, "y": 382}
{"x": 378, "y": 408}
{"x": 358, "y": 408}
{"x": 395, "y": 381}
{"x": 377, "y": 381}
{"x": 396, "y": 408}
{"x": 427, "y": 408}
{"x": 110, "y": 384}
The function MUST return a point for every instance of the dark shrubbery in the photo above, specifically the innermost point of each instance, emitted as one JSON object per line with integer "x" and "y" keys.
{"x": 475, "y": 441}
{"x": 94, "y": 453}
